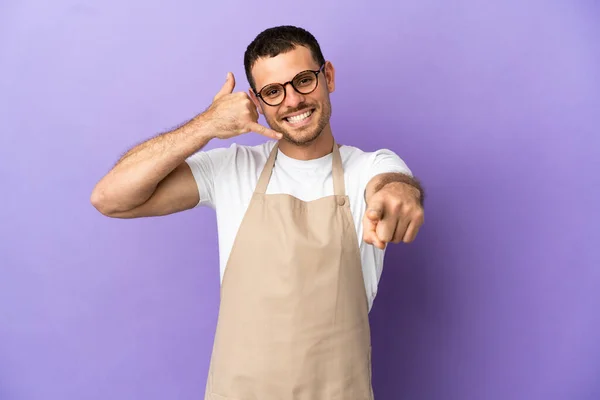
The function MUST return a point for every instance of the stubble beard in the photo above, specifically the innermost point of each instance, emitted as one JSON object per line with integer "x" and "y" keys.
{"x": 303, "y": 137}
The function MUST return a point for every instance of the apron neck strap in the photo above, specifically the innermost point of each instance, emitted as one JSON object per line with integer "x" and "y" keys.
{"x": 339, "y": 188}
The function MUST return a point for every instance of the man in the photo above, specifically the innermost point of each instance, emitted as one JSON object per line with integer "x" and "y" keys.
{"x": 303, "y": 224}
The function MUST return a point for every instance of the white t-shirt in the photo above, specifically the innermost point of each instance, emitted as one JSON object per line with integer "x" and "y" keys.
{"x": 227, "y": 177}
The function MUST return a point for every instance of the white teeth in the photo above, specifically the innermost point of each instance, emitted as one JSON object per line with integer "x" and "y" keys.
{"x": 298, "y": 118}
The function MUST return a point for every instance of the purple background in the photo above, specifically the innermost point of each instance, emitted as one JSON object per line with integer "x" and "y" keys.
{"x": 494, "y": 106}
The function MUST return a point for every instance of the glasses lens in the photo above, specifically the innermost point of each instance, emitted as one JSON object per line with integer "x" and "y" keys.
{"x": 305, "y": 82}
{"x": 272, "y": 94}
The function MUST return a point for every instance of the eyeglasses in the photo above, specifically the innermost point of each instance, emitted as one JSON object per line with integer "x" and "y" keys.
{"x": 305, "y": 82}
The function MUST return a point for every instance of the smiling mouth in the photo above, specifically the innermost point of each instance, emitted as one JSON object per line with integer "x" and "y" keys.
{"x": 299, "y": 118}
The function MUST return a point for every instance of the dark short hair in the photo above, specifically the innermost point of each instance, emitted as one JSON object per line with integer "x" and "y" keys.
{"x": 280, "y": 39}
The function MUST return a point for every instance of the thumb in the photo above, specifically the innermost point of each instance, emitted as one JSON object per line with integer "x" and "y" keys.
{"x": 227, "y": 87}
{"x": 375, "y": 210}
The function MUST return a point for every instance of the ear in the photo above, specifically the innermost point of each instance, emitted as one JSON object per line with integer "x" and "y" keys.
{"x": 329, "y": 76}
{"x": 255, "y": 100}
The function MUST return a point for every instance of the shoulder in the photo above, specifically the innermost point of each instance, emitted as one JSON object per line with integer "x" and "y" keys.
{"x": 233, "y": 157}
{"x": 245, "y": 159}
{"x": 353, "y": 157}
{"x": 373, "y": 162}
{"x": 257, "y": 152}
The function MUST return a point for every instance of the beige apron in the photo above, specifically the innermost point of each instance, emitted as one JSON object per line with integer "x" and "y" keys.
{"x": 293, "y": 320}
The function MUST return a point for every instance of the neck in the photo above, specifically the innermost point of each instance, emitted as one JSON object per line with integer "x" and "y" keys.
{"x": 318, "y": 148}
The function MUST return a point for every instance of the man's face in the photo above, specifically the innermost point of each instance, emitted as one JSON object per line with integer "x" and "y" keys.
{"x": 300, "y": 117}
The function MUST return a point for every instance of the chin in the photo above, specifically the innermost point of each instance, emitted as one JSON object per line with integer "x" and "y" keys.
{"x": 301, "y": 139}
{"x": 304, "y": 134}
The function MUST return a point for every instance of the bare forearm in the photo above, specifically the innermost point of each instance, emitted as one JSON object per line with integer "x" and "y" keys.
{"x": 136, "y": 175}
{"x": 380, "y": 181}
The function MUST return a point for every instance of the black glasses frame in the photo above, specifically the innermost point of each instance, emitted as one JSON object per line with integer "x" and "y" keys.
{"x": 284, "y": 85}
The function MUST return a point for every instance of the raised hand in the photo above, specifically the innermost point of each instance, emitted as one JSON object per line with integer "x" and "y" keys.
{"x": 234, "y": 114}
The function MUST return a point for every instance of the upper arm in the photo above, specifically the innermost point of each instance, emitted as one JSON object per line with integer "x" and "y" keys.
{"x": 385, "y": 161}
{"x": 178, "y": 191}
{"x": 381, "y": 162}
{"x": 189, "y": 185}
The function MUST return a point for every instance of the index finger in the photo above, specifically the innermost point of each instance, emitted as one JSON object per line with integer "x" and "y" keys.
{"x": 258, "y": 128}
{"x": 370, "y": 233}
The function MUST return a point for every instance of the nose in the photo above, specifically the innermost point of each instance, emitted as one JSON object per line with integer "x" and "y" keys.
{"x": 292, "y": 98}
